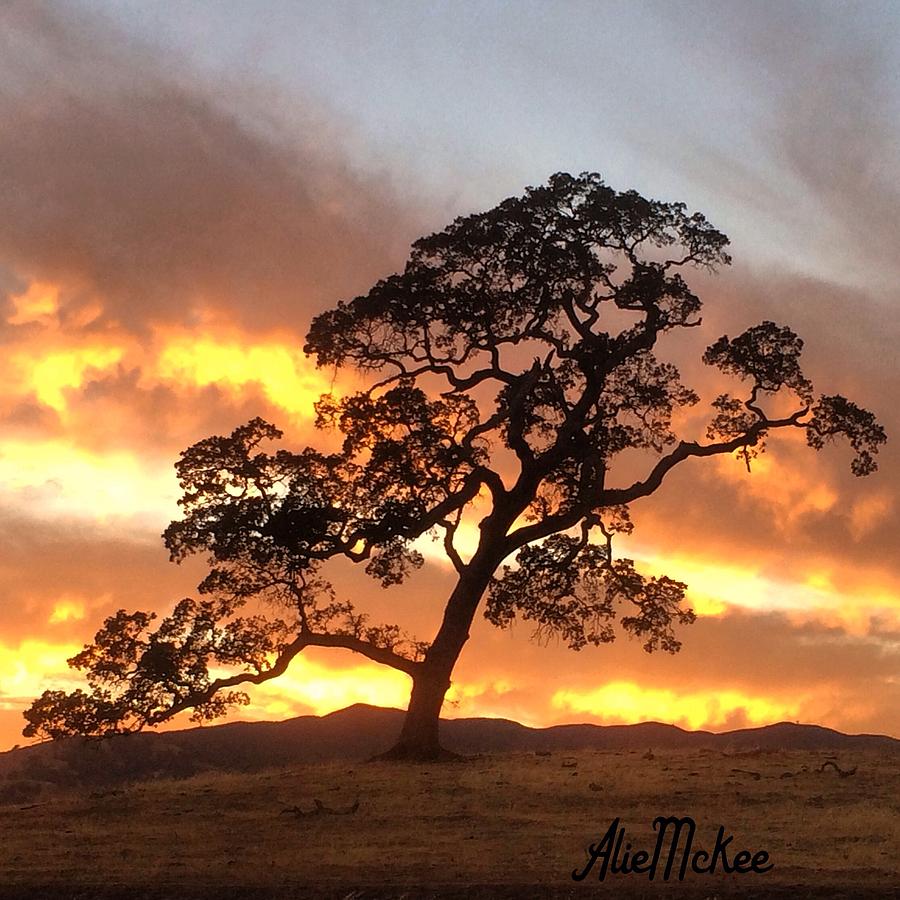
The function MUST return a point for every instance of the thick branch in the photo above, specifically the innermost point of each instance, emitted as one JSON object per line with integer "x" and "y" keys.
{"x": 449, "y": 547}
{"x": 620, "y": 496}
{"x": 377, "y": 654}
{"x": 479, "y": 476}
{"x": 381, "y": 655}
{"x": 547, "y": 526}
{"x": 686, "y": 450}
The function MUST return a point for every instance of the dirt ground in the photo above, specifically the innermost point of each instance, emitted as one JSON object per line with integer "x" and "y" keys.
{"x": 513, "y": 825}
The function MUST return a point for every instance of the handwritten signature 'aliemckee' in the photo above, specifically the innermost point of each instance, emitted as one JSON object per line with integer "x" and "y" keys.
{"x": 612, "y": 858}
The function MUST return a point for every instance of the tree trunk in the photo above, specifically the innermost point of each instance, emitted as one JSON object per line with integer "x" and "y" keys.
{"x": 419, "y": 738}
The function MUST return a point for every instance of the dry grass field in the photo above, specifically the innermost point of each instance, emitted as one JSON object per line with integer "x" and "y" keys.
{"x": 511, "y": 825}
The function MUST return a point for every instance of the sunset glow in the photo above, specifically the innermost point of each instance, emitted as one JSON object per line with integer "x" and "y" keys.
{"x": 621, "y": 702}
{"x": 69, "y": 481}
{"x": 318, "y": 689}
{"x": 39, "y": 303}
{"x": 287, "y": 379}
{"x": 33, "y": 666}
{"x": 173, "y": 222}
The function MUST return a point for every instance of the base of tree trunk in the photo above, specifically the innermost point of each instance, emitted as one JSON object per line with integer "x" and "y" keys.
{"x": 404, "y": 753}
{"x": 419, "y": 739}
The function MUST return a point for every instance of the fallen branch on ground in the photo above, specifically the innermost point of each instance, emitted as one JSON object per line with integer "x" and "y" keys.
{"x": 801, "y": 771}
{"x": 321, "y": 809}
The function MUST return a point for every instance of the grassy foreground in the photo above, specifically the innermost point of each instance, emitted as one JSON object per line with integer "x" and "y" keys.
{"x": 511, "y": 825}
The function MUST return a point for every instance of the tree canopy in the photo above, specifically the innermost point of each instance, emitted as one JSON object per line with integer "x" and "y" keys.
{"x": 512, "y": 363}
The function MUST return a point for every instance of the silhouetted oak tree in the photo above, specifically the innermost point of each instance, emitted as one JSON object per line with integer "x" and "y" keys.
{"x": 514, "y": 362}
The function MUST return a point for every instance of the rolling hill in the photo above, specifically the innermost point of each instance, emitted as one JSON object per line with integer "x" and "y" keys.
{"x": 360, "y": 731}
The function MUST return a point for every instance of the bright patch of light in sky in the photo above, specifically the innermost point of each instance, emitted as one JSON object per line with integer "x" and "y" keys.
{"x": 621, "y": 702}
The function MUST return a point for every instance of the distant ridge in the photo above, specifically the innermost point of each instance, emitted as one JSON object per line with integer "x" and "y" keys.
{"x": 360, "y": 731}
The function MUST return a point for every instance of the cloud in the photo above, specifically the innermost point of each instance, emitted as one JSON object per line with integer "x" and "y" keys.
{"x": 836, "y": 134}
{"x": 95, "y": 569}
{"x": 132, "y": 182}
{"x": 621, "y": 702}
{"x": 803, "y": 168}
{"x": 798, "y": 512}
{"x": 735, "y": 669}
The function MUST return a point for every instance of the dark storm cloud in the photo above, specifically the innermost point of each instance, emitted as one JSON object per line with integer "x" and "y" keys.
{"x": 128, "y": 179}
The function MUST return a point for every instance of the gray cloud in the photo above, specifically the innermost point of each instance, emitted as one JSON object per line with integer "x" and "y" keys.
{"x": 126, "y": 177}
{"x": 812, "y": 174}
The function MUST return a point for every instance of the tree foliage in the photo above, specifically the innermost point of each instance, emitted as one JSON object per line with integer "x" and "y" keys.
{"x": 513, "y": 363}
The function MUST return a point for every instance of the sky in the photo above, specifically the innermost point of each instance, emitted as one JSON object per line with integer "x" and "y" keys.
{"x": 183, "y": 185}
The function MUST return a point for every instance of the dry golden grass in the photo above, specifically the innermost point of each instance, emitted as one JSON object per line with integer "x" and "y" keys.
{"x": 516, "y": 819}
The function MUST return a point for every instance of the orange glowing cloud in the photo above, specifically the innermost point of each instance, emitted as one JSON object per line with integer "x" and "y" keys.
{"x": 52, "y": 374}
{"x": 787, "y": 490}
{"x": 33, "y": 666}
{"x": 52, "y": 366}
{"x": 67, "y": 610}
{"x": 115, "y": 475}
{"x": 288, "y": 379}
{"x": 715, "y": 585}
{"x": 39, "y": 303}
{"x": 622, "y": 702}
{"x": 867, "y": 513}
{"x": 47, "y": 361}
